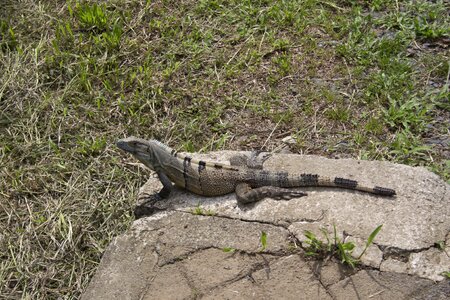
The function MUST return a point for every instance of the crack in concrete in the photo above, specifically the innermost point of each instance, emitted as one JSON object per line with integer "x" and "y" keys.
{"x": 284, "y": 223}
{"x": 401, "y": 254}
{"x": 247, "y": 274}
{"x": 197, "y": 292}
{"x": 149, "y": 278}
{"x": 250, "y": 221}
{"x": 257, "y": 266}
{"x": 326, "y": 289}
{"x": 388, "y": 252}
{"x": 319, "y": 279}
{"x": 185, "y": 256}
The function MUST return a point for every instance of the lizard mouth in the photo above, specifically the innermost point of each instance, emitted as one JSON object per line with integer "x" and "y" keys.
{"x": 123, "y": 145}
{"x": 133, "y": 147}
{"x": 126, "y": 146}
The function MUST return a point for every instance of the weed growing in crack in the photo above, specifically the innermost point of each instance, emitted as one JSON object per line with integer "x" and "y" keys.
{"x": 200, "y": 211}
{"x": 263, "y": 241}
{"x": 440, "y": 245}
{"x": 229, "y": 249}
{"x": 337, "y": 248}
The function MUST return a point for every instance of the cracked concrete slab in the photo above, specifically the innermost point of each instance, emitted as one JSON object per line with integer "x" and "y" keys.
{"x": 371, "y": 284}
{"x": 175, "y": 254}
{"x": 284, "y": 278}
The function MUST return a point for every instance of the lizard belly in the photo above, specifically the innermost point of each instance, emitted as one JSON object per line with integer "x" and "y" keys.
{"x": 203, "y": 179}
{"x": 208, "y": 187}
{"x": 216, "y": 182}
{"x": 207, "y": 183}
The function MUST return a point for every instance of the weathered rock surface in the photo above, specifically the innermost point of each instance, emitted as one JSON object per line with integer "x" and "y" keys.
{"x": 175, "y": 254}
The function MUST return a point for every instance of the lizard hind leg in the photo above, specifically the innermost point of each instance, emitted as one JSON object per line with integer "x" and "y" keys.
{"x": 255, "y": 161}
{"x": 245, "y": 194}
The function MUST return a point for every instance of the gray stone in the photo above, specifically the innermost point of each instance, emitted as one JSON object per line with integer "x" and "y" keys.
{"x": 430, "y": 263}
{"x": 369, "y": 284}
{"x": 176, "y": 254}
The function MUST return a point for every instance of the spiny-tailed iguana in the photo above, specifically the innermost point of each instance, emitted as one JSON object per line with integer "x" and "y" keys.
{"x": 250, "y": 182}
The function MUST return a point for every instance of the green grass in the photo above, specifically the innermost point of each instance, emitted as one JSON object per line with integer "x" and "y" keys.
{"x": 199, "y": 75}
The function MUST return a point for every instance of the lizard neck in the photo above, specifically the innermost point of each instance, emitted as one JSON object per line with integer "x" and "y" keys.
{"x": 157, "y": 155}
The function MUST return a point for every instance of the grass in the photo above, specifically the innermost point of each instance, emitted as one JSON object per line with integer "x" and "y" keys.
{"x": 371, "y": 77}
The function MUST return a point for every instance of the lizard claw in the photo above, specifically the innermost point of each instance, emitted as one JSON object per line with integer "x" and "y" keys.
{"x": 147, "y": 206}
{"x": 255, "y": 161}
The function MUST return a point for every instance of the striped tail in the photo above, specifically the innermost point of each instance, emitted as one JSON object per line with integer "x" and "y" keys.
{"x": 284, "y": 179}
{"x": 353, "y": 184}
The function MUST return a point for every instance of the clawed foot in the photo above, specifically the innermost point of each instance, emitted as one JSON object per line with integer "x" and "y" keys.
{"x": 253, "y": 162}
{"x": 147, "y": 206}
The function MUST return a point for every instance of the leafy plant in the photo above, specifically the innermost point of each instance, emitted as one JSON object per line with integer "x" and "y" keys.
{"x": 7, "y": 37}
{"x": 408, "y": 148}
{"x": 337, "y": 247}
{"x": 91, "y": 16}
{"x": 410, "y": 115}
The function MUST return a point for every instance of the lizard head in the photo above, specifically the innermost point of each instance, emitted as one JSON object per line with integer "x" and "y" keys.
{"x": 145, "y": 151}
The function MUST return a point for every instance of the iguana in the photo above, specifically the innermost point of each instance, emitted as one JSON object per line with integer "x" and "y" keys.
{"x": 250, "y": 182}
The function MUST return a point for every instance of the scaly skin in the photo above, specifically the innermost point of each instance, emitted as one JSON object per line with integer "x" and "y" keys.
{"x": 215, "y": 179}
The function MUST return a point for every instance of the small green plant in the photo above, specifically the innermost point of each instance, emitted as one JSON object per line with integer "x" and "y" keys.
{"x": 316, "y": 246}
{"x": 338, "y": 114}
{"x": 200, "y": 211}
{"x": 440, "y": 245}
{"x": 263, "y": 241}
{"x": 281, "y": 44}
{"x": 283, "y": 63}
{"x": 91, "y": 17}
{"x": 407, "y": 148}
{"x": 229, "y": 249}
{"x": 370, "y": 240}
{"x": 337, "y": 247}
{"x": 90, "y": 147}
{"x": 110, "y": 39}
{"x": 374, "y": 125}
{"x": 446, "y": 274}
{"x": 411, "y": 115}
{"x": 7, "y": 37}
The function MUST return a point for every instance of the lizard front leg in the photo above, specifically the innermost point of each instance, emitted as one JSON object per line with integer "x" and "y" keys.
{"x": 147, "y": 207}
{"x": 245, "y": 194}
{"x": 167, "y": 186}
